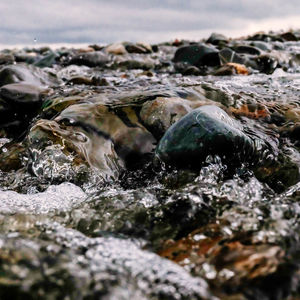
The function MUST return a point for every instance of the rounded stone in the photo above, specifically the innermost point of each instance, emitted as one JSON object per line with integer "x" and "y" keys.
{"x": 197, "y": 55}
{"x": 207, "y": 130}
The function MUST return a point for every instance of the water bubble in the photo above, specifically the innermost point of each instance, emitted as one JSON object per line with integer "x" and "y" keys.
{"x": 4, "y": 150}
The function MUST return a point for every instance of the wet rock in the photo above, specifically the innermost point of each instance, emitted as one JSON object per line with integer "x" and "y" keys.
{"x": 66, "y": 147}
{"x": 291, "y": 113}
{"x": 23, "y": 95}
{"x": 295, "y": 132}
{"x": 154, "y": 48}
{"x": 146, "y": 46}
{"x": 108, "y": 267}
{"x": 96, "y": 47}
{"x": 135, "y": 63}
{"x": 55, "y": 105}
{"x": 158, "y": 115}
{"x": 89, "y": 49}
{"x": 197, "y": 55}
{"x": 26, "y": 57}
{"x": 229, "y": 56}
{"x": 80, "y": 80}
{"x": 22, "y": 102}
{"x": 71, "y": 71}
{"x": 90, "y": 59}
{"x": 231, "y": 69}
{"x": 261, "y": 45}
{"x": 279, "y": 175}
{"x": 146, "y": 73}
{"x": 261, "y": 36}
{"x": 119, "y": 126}
{"x": 191, "y": 70}
{"x": 216, "y": 38}
{"x": 205, "y": 131}
{"x": 289, "y": 36}
{"x": 253, "y": 111}
{"x": 277, "y": 118}
{"x": 96, "y": 81}
{"x": 228, "y": 261}
{"x": 11, "y": 157}
{"x": 117, "y": 49}
{"x": 29, "y": 74}
{"x": 245, "y": 49}
{"x": 245, "y": 194}
{"x": 266, "y": 63}
{"x": 47, "y": 60}
{"x": 6, "y": 59}
{"x": 138, "y": 48}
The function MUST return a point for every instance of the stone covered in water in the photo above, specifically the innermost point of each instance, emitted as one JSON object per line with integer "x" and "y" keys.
{"x": 97, "y": 247}
{"x": 29, "y": 74}
{"x": 119, "y": 126}
{"x": 101, "y": 268}
{"x": 60, "y": 150}
{"x": 205, "y": 131}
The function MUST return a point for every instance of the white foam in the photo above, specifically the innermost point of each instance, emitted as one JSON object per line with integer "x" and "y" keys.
{"x": 57, "y": 198}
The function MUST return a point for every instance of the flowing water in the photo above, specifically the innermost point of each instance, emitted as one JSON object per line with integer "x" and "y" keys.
{"x": 87, "y": 210}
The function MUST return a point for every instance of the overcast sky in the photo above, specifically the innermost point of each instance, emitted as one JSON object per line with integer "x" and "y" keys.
{"x": 99, "y": 21}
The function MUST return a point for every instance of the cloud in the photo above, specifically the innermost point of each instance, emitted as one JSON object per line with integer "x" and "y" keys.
{"x": 52, "y": 21}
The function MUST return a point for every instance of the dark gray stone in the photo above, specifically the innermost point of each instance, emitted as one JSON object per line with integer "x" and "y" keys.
{"x": 205, "y": 131}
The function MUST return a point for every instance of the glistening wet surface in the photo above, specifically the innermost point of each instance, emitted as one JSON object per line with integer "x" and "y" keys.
{"x": 137, "y": 171}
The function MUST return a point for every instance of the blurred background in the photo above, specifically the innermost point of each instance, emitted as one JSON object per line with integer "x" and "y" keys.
{"x": 98, "y": 21}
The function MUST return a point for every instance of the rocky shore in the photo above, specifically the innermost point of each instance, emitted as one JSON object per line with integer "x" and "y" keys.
{"x": 136, "y": 171}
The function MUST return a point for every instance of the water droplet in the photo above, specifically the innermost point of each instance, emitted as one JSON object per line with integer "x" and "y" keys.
{"x": 35, "y": 40}
{"x": 4, "y": 150}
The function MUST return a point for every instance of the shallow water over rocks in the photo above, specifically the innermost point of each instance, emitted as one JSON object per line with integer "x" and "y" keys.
{"x": 89, "y": 210}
